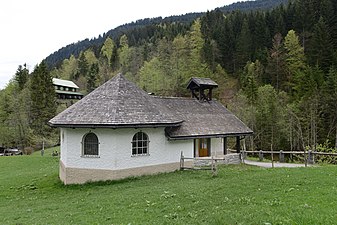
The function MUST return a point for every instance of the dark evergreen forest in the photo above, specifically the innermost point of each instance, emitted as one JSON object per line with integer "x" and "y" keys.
{"x": 275, "y": 66}
{"x": 145, "y": 29}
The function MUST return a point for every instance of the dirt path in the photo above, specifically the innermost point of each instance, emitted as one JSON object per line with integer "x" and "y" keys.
{"x": 276, "y": 164}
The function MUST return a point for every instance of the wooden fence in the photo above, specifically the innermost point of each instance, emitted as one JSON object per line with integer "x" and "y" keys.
{"x": 309, "y": 156}
{"x": 211, "y": 163}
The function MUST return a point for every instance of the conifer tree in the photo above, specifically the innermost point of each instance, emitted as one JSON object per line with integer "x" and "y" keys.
{"x": 92, "y": 77}
{"x": 250, "y": 80}
{"x": 21, "y": 76}
{"x": 243, "y": 46}
{"x": 295, "y": 59}
{"x": 83, "y": 66}
{"x": 321, "y": 47}
{"x": 276, "y": 64}
{"x": 43, "y": 100}
{"x": 329, "y": 114}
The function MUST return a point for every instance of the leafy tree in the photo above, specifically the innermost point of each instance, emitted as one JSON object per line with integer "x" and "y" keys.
{"x": 268, "y": 118}
{"x": 124, "y": 53}
{"x": 152, "y": 79}
{"x": 107, "y": 49}
{"x": 68, "y": 69}
{"x": 90, "y": 57}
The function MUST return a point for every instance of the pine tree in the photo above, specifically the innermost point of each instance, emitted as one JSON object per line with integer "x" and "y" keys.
{"x": 83, "y": 66}
{"x": 92, "y": 77}
{"x": 295, "y": 59}
{"x": 329, "y": 114}
{"x": 21, "y": 76}
{"x": 276, "y": 64}
{"x": 321, "y": 47}
{"x": 243, "y": 46}
{"x": 43, "y": 100}
{"x": 250, "y": 80}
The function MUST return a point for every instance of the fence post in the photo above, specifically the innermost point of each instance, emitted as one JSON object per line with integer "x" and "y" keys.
{"x": 213, "y": 167}
{"x": 181, "y": 160}
{"x": 281, "y": 156}
{"x": 310, "y": 157}
{"x": 261, "y": 156}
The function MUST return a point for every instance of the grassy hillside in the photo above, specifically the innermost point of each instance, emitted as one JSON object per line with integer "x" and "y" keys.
{"x": 32, "y": 194}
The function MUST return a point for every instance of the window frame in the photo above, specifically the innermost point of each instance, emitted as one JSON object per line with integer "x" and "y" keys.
{"x": 84, "y": 145}
{"x": 139, "y": 145}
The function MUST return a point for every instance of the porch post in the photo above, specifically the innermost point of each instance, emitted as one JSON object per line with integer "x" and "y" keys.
{"x": 238, "y": 144}
{"x": 225, "y": 145}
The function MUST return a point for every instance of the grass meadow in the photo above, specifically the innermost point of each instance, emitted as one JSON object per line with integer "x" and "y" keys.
{"x": 31, "y": 193}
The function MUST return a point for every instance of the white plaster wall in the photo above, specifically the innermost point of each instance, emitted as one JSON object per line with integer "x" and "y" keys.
{"x": 63, "y": 144}
{"x": 217, "y": 146}
{"x": 115, "y": 149}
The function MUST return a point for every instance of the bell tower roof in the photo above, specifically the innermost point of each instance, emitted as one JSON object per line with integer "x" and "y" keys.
{"x": 198, "y": 86}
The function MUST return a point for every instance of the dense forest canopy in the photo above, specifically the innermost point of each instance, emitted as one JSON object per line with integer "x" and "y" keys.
{"x": 276, "y": 70}
{"x": 145, "y": 29}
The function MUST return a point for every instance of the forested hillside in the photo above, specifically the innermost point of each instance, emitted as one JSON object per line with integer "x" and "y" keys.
{"x": 253, "y": 5}
{"x": 147, "y": 29}
{"x": 276, "y": 70}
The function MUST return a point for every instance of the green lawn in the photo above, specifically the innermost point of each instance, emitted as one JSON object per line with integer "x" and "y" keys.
{"x": 31, "y": 193}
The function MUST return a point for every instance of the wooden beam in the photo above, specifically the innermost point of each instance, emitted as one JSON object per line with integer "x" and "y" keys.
{"x": 238, "y": 147}
{"x": 225, "y": 145}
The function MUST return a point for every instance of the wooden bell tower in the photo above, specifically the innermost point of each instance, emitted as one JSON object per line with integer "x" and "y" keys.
{"x": 201, "y": 88}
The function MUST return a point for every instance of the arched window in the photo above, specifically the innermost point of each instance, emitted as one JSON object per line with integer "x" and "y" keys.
{"x": 140, "y": 144}
{"x": 90, "y": 145}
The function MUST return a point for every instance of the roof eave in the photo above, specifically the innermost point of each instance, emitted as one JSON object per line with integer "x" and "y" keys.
{"x": 186, "y": 137}
{"x": 114, "y": 126}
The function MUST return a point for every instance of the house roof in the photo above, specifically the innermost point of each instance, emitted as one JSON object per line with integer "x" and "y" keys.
{"x": 197, "y": 82}
{"x": 116, "y": 103}
{"x": 203, "y": 119}
{"x": 68, "y": 92}
{"x": 120, "y": 103}
{"x": 65, "y": 83}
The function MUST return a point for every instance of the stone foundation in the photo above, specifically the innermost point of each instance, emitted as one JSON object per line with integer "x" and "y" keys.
{"x": 220, "y": 159}
{"x": 80, "y": 176}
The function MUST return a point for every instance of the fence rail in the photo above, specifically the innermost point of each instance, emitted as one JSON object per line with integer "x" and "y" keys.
{"x": 293, "y": 152}
{"x": 209, "y": 166}
{"x": 308, "y": 155}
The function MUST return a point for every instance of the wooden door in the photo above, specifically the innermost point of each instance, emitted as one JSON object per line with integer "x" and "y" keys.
{"x": 204, "y": 147}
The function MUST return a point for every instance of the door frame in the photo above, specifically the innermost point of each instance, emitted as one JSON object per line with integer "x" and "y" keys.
{"x": 197, "y": 146}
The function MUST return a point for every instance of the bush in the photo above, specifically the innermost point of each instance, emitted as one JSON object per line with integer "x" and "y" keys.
{"x": 326, "y": 158}
{"x": 28, "y": 150}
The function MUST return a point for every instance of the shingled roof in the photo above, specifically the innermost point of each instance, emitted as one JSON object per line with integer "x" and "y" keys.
{"x": 120, "y": 103}
{"x": 117, "y": 103}
{"x": 197, "y": 82}
{"x": 203, "y": 119}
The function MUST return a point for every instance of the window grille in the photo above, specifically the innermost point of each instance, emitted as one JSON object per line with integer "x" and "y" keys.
{"x": 90, "y": 145}
{"x": 140, "y": 144}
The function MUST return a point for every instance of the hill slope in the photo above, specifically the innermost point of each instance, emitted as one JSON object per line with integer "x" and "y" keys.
{"x": 57, "y": 57}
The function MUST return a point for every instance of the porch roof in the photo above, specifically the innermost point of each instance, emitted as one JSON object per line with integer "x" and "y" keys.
{"x": 203, "y": 119}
